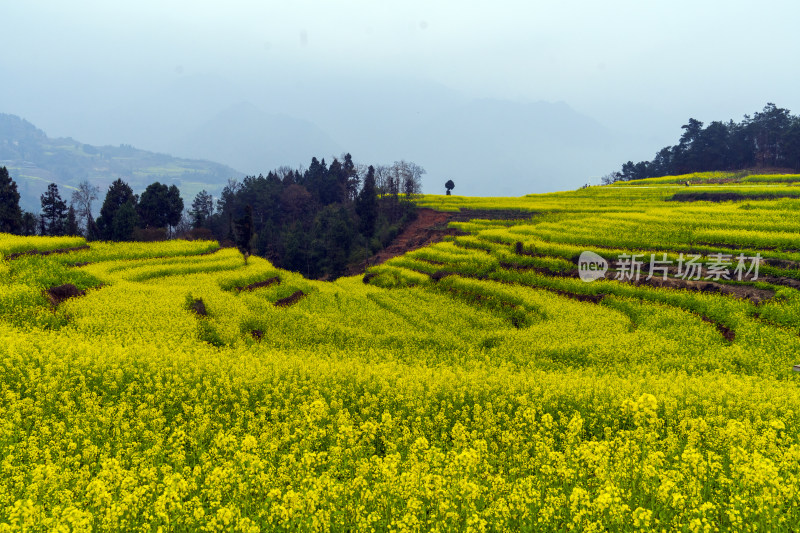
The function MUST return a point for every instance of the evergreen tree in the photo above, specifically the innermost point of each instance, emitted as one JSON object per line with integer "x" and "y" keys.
{"x": 770, "y": 138}
{"x": 124, "y": 222}
{"x": 10, "y": 213}
{"x": 314, "y": 179}
{"x": 244, "y": 233}
{"x": 202, "y": 209}
{"x": 29, "y": 223}
{"x": 367, "y": 205}
{"x": 333, "y": 189}
{"x": 154, "y": 206}
{"x": 54, "y": 212}
{"x": 296, "y": 245}
{"x": 351, "y": 174}
{"x": 309, "y": 220}
{"x": 119, "y": 194}
{"x": 71, "y": 226}
{"x": 227, "y": 205}
{"x": 333, "y": 240}
{"x": 231, "y": 235}
{"x": 174, "y": 206}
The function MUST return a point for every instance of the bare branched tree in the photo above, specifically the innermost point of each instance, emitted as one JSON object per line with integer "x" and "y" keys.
{"x": 383, "y": 176}
{"x": 82, "y": 199}
{"x": 610, "y": 178}
{"x": 408, "y": 176}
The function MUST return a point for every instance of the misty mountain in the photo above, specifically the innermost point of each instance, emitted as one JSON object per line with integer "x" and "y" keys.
{"x": 256, "y": 142}
{"x": 34, "y": 160}
{"x": 487, "y": 146}
{"x": 154, "y": 118}
{"x": 494, "y": 148}
{"x": 371, "y": 116}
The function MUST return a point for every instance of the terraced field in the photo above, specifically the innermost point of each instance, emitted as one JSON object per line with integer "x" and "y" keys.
{"x": 475, "y": 384}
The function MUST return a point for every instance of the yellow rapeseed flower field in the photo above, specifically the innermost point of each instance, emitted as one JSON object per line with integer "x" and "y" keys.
{"x": 477, "y": 384}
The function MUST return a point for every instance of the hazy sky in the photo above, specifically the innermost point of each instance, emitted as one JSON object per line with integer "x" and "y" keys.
{"x": 679, "y": 53}
{"x": 639, "y": 66}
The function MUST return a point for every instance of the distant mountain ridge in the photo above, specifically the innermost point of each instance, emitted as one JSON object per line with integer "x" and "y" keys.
{"x": 255, "y": 141}
{"x": 488, "y": 146}
{"x": 34, "y": 160}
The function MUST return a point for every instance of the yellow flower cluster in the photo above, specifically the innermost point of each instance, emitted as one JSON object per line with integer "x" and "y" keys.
{"x": 13, "y": 244}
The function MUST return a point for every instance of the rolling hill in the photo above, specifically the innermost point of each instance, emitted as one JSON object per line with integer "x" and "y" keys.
{"x": 35, "y": 160}
{"x": 482, "y": 383}
{"x": 250, "y": 139}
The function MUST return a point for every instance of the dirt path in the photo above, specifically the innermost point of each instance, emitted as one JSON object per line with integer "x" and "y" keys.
{"x": 16, "y": 255}
{"x": 429, "y": 227}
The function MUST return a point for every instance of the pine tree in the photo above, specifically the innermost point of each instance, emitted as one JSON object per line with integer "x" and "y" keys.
{"x": 367, "y": 205}
{"x": 29, "y": 224}
{"x": 353, "y": 180}
{"x": 244, "y": 233}
{"x": 10, "y": 213}
{"x": 202, "y": 209}
{"x": 54, "y": 212}
{"x": 71, "y": 226}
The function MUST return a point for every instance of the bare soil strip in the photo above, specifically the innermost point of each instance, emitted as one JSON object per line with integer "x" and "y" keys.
{"x": 290, "y": 300}
{"x": 260, "y": 284}
{"x": 430, "y": 227}
{"x": 729, "y": 196}
{"x": 11, "y": 257}
{"x": 725, "y": 331}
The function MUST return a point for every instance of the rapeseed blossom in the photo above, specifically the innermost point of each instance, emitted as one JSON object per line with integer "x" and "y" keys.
{"x": 465, "y": 387}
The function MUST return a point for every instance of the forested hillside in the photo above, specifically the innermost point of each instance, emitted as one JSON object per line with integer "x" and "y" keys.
{"x": 768, "y": 139}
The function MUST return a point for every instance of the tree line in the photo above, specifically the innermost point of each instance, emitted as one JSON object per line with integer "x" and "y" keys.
{"x": 770, "y": 138}
{"x": 315, "y": 221}
{"x": 124, "y": 216}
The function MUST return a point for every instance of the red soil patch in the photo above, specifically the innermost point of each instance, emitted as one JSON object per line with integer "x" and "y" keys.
{"x": 591, "y": 298}
{"x": 441, "y": 274}
{"x": 259, "y": 284}
{"x": 429, "y": 227}
{"x": 290, "y": 300}
{"x": 199, "y": 307}
{"x": 724, "y": 330}
{"x": 743, "y": 292}
{"x": 58, "y": 294}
